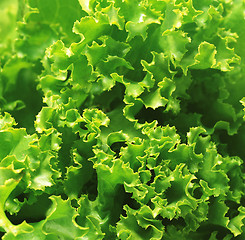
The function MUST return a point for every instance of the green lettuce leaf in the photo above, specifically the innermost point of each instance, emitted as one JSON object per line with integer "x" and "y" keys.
{"x": 122, "y": 119}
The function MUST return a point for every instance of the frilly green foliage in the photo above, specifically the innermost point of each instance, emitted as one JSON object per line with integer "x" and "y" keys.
{"x": 122, "y": 119}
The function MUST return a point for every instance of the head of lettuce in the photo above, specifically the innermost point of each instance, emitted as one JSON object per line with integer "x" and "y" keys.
{"x": 122, "y": 119}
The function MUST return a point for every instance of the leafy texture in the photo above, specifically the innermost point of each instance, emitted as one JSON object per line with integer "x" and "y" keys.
{"x": 122, "y": 119}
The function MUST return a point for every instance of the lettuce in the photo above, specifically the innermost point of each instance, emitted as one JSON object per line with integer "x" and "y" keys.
{"x": 122, "y": 119}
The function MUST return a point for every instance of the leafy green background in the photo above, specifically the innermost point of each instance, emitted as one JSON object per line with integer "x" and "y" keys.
{"x": 122, "y": 119}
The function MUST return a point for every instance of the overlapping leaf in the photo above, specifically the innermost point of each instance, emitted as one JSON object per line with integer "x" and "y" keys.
{"x": 133, "y": 116}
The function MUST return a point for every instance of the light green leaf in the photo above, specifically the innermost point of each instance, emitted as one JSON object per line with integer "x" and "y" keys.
{"x": 61, "y": 220}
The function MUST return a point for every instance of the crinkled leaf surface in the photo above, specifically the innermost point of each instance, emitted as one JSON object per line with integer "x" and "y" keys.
{"x": 122, "y": 119}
